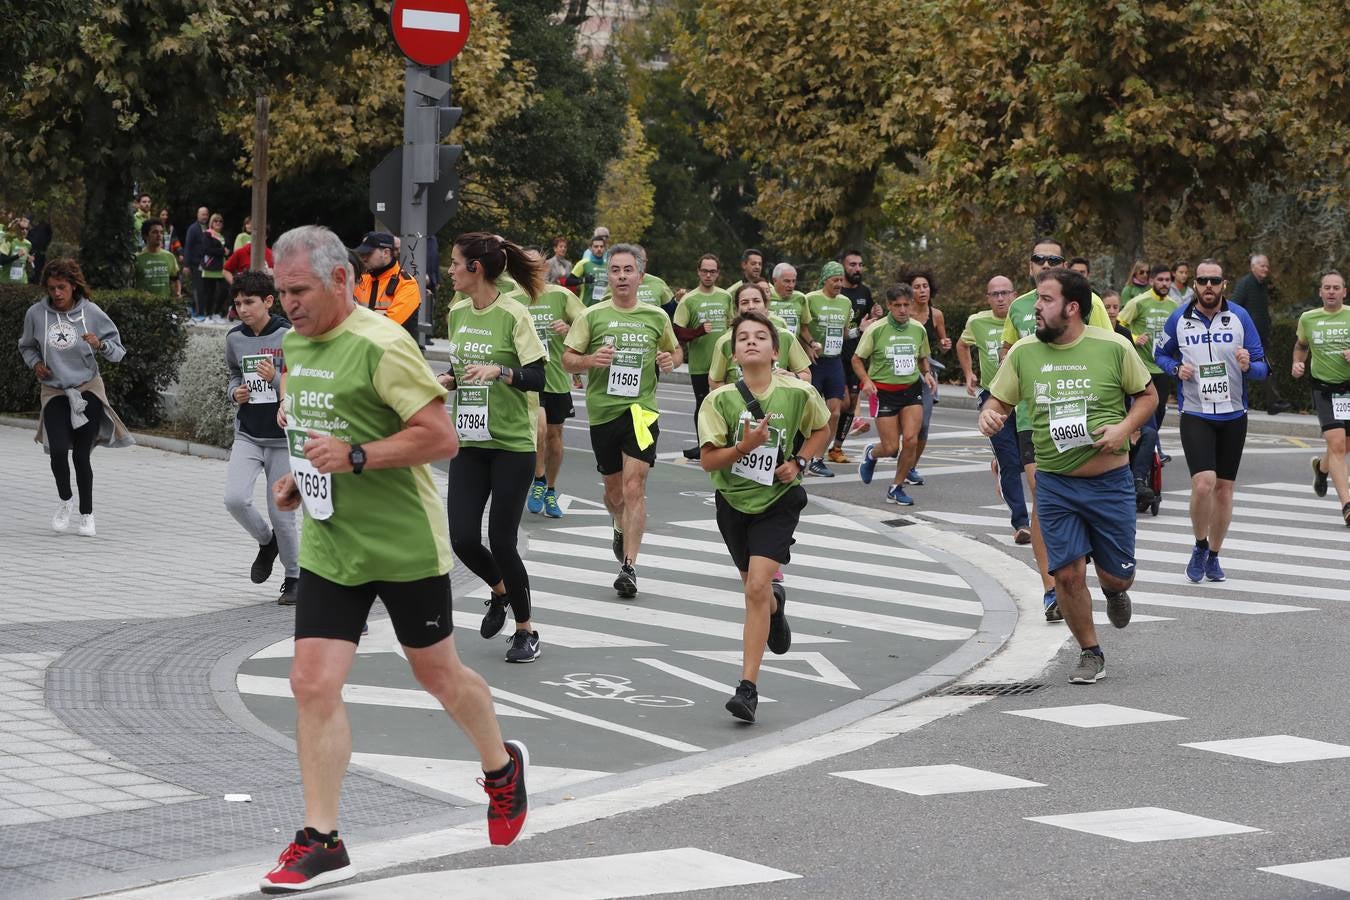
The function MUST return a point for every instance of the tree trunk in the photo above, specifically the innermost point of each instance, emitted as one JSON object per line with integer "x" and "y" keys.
{"x": 258, "y": 260}
{"x": 1129, "y": 235}
{"x": 860, "y": 199}
{"x": 107, "y": 247}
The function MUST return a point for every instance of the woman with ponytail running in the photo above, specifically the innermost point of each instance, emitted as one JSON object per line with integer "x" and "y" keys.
{"x": 497, "y": 359}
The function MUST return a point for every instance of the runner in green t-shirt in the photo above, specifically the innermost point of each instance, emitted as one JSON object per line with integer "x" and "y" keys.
{"x": 156, "y": 268}
{"x": 984, "y": 332}
{"x": 16, "y": 253}
{"x": 756, "y": 469}
{"x": 1046, "y": 253}
{"x": 891, "y": 358}
{"x": 1145, "y": 315}
{"x": 621, "y": 344}
{"x": 752, "y": 268}
{"x": 497, "y": 361}
{"x": 1323, "y": 351}
{"x": 788, "y": 303}
{"x": 831, "y": 313}
{"x": 366, "y": 420}
{"x": 700, "y": 320}
{"x": 590, "y": 276}
{"x": 1075, "y": 379}
{"x": 553, "y": 311}
{"x": 792, "y": 358}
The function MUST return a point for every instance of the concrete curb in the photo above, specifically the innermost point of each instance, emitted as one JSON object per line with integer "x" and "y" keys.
{"x": 153, "y": 441}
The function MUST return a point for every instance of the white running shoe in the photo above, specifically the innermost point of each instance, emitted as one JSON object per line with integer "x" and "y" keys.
{"x": 87, "y": 526}
{"x": 61, "y": 519}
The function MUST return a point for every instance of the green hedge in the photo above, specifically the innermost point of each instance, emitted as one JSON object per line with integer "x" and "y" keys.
{"x": 153, "y": 331}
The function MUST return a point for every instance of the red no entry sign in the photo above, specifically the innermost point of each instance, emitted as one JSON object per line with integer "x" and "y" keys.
{"x": 430, "y": 32}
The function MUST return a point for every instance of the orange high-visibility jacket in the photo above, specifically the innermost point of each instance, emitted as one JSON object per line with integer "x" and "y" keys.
{"x": 393, "y": 293}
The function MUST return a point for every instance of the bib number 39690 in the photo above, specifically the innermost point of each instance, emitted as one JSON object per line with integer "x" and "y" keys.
{"x": 316, "y": 488}
{"x": 1068, "y": 424}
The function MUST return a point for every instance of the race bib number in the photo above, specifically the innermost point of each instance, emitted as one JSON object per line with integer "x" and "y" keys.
{"x": 471, "y": 413}
{"x": 16, "y": 272}
{"x": 598, "y": 289}
{"x": 260, "y": 390}
{"x": 1068, "y": 424}
{"x": 625, "y": 374}
{"x": 834, "y": 341}
{"x": 544, "y": 328}
{"x": 316, "y": 488}
{"x": 1340, "y": 407}
{"x": 903, "y": 361}
{"x": 1214, "y": 383}
{"x": 759, "y": 464}
{"x": 791, "y": 320}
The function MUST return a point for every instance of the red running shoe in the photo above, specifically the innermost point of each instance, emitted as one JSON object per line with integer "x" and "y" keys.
{"x": 305, "y": 864}
{"x": 507, "y": 803}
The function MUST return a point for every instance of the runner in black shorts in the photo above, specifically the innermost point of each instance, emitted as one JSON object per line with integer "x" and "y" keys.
{"x": 553, "y": 310}
{"x": 860, "y": 295}
{"x": 1323, "y": 350}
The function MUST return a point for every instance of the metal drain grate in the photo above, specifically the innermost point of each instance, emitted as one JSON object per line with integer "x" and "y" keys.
{"x": 897, "y": 523}
{"x": 1010, "y": 689}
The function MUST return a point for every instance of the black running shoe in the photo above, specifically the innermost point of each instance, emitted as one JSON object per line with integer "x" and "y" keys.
{"x": 626, "y": 584}
{"x": 288, "y": 586}
{"x": 262, "y": 563}
{"x": 1118, "y": 608}
{"x": 780, "y": 634}
{"x": 508, "y": 804}
{"x": 304, "y": 865}
{"x": 1143, "y": 492}
{"x": 693, "y": 453}
{"x": 744, "y": 702}
{"x": 617, "y": 545}
{"x": 1319, "y": 477}
{"x": 524, "y": 647}
{"x": 494, "y": 618}
{"x": 1345, "y": 514}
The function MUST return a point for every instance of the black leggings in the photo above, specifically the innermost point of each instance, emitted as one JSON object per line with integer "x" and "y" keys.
{"x": 1163, "y": 383}
{"x": 62, "y": 440}
{"x": 505, "y": 475}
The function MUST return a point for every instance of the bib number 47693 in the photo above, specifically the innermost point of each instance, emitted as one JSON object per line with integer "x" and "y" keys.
{"x": 316, "y": 488}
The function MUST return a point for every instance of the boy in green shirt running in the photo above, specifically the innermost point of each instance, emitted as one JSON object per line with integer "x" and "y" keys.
{"x": 1323, "y": 351}
{"x": 891, "y": 358}
{"x": 756, "y": 436}
{"x": 156, "y": 268}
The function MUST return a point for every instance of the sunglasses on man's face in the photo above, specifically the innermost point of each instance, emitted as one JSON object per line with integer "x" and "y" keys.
{"x": 1209, "y": 279}
{"x": 1040, "y": 260}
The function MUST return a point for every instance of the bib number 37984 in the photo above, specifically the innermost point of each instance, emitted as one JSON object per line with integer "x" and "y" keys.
{"x": 471, "y": 413}
{"x": 316, "y": 488}
{"x": 1068, "y": 424}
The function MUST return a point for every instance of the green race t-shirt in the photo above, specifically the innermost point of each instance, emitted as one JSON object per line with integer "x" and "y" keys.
{"x": 594, "y": 279}
{"x": 361, "y": 382}
{"x": 494, "y": 414}
{"x": 830, "y": 318}
{"x": 893, "y": 351}
{"x": 696, "y": 308}
{"x": 1146, "y": 314}
{"x": 1021, "y": 322}
{"x": 155, "y": 272}
{"x": 16, "y": 270}
{"x": 985, "y": 334}
{"x": 793, "y": 408}
{"x": 724, "y": 369}
{"x": 637, "y": 335}
{"x": 1328, "y": 337}
{"x": 792, "y": 309}
{"x": 554, "y": 304}
{"x": 1071, "y": 390}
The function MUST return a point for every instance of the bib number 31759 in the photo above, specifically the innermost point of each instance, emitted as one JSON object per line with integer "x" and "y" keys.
{"x": 316, "y": 488}
{"x": 1068, "y": 424}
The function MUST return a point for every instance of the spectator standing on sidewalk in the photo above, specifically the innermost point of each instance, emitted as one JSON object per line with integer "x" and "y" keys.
{"x": 214, "y": 253}
{"x": 1252, "y": 293}
{"x": 193, "y": 245}
{"x": 156, "y": 269}
{"x": 559, "y": 266}
{"x": 63, "y": 336}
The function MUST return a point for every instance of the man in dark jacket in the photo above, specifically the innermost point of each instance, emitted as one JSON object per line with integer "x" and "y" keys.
{"x": 1252, "y": 293}
{"x": 193, "y": 246}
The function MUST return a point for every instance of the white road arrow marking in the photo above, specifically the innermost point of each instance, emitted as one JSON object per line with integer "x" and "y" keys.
{"x": 826, "y": 671}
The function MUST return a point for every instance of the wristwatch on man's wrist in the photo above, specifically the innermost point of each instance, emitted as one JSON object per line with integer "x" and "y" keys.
{"x": 357, "y": 456}
{"x": 800, "y": 461}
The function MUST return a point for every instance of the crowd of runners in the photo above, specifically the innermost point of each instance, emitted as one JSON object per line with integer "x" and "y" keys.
{"x": 338, "y": 410}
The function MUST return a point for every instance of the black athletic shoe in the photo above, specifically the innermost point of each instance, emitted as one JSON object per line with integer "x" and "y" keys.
{"x": 1118, "y": 608}
{"x": 617, "y": 545}
{"x": 262, "y": 563}
{"x": 744, "y": 702}
{"x": 1143, "y": 492}
{"x": 304, "y": 865}
{"x": 524, "y": 647}
{"x": 1278, "y": 406}
{"x": 780, "y": 634}
{"x": 626, "y": 584}
{"x": 1319, "y": 477}
{"x": 693, "y": 453}
{"x": 494, "y": 618}
{"x": 288, "y": 585}
{"x": 1345, "y": 514}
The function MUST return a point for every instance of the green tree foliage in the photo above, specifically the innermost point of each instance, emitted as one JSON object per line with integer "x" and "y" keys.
{"x": 626, "y": 197}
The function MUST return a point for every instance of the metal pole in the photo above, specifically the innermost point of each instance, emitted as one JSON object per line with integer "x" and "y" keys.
{"x": 261, "y": 136}
{"x": 413, "y": 217}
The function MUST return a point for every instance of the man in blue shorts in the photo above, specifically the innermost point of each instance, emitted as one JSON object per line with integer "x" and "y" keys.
{"x": 1074, "y": 379}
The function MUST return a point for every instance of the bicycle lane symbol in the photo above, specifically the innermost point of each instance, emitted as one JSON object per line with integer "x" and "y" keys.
{"x": 589, "y": 686}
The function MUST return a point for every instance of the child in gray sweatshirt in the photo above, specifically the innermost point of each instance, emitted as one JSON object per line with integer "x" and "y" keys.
{"x": 254, "y": 358}
{"x": 63, "y": 337}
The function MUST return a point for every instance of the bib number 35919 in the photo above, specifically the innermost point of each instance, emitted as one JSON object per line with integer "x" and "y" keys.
{"x": 1068, "y": 424}
{"x": 316, "y": 488}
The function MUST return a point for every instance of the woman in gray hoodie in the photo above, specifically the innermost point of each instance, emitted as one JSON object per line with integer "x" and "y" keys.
{"x": 63, "y": 336}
